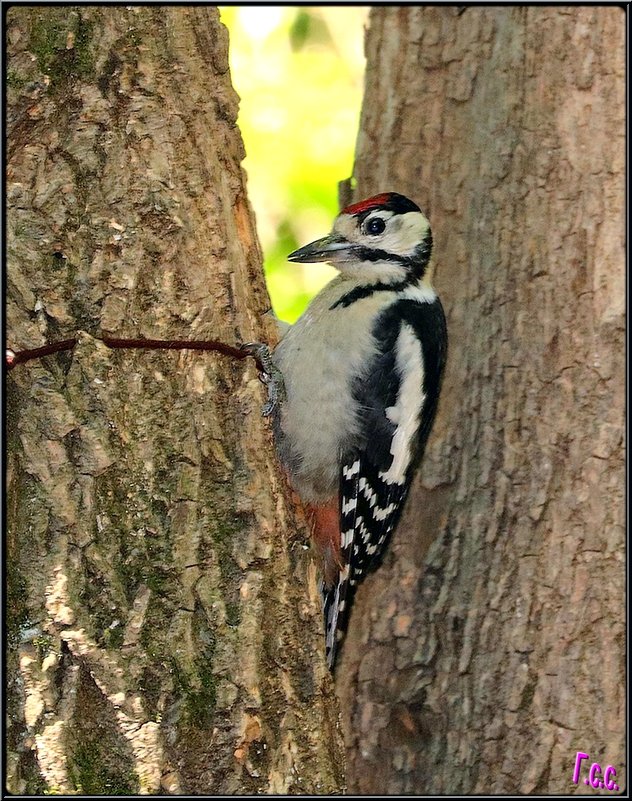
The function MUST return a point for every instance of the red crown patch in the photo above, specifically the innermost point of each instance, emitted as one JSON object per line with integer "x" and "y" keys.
{"x": 370, "y": 203}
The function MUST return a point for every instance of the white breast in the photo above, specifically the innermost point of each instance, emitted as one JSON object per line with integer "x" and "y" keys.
{"x": 319, "y": 356}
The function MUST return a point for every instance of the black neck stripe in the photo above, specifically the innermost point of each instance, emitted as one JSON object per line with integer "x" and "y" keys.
{"x": 367, "y": 290}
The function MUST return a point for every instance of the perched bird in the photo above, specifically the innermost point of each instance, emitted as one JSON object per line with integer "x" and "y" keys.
{"x": 362, "y": 370}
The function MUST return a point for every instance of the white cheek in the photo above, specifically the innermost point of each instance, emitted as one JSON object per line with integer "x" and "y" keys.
{"x": 409, "y": 233}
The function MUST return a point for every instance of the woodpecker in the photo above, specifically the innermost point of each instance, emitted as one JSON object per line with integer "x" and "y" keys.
{"x": 361, "y": 372}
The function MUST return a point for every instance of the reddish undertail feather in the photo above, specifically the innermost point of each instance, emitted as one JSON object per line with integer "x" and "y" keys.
{"x": 334, "y": 573}
{"x": 369, "y": 203}
{"x": 326, "y": 536}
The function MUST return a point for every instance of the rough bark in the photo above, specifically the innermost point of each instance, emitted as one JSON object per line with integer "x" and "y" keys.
{"x": 485, "y": 661}
{"x": 165, "y": 632}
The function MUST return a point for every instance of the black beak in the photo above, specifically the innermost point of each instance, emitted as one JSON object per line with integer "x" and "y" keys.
{"x": 331, "y": 248}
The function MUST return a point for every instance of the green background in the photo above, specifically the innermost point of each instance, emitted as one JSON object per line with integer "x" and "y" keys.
{"x": 299, "y": 74}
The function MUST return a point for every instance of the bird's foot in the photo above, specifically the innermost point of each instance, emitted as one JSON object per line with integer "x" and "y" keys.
{"x": 269, "y": 374}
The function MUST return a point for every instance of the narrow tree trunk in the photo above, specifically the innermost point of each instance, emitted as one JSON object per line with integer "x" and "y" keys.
{"x": 164, "y": 627}
{"x": 487, "y": 662}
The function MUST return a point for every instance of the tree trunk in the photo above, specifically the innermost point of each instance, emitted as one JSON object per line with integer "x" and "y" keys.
{"x": 484, "y": 662}
{"x": 165, "y": 629}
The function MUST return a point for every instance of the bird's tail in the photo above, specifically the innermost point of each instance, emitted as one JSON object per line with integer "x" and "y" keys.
{"x": 330, "y": 614}
{"x": 336, "y": 608}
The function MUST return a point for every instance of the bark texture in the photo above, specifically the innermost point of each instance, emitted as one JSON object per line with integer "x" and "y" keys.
{"x": 485, "y": 661}
{"x": 165, "y": 632}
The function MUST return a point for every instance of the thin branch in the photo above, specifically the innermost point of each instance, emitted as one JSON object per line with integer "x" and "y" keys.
{"x": 14, "y": 358}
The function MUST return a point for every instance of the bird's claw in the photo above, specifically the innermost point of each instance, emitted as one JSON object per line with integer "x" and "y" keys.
{"x": 269, "y": 374}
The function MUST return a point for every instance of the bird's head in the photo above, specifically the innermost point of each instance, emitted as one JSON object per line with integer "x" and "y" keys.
{"x": 384, "y": 239}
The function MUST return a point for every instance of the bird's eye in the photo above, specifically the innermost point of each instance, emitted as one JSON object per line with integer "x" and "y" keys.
{"x": 375, "y": 226}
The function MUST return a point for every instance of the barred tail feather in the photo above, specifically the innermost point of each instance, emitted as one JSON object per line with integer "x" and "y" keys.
{"x": 365, "y": 529}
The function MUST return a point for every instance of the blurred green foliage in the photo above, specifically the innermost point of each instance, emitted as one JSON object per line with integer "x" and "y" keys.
{"x": 299, "y": 73}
